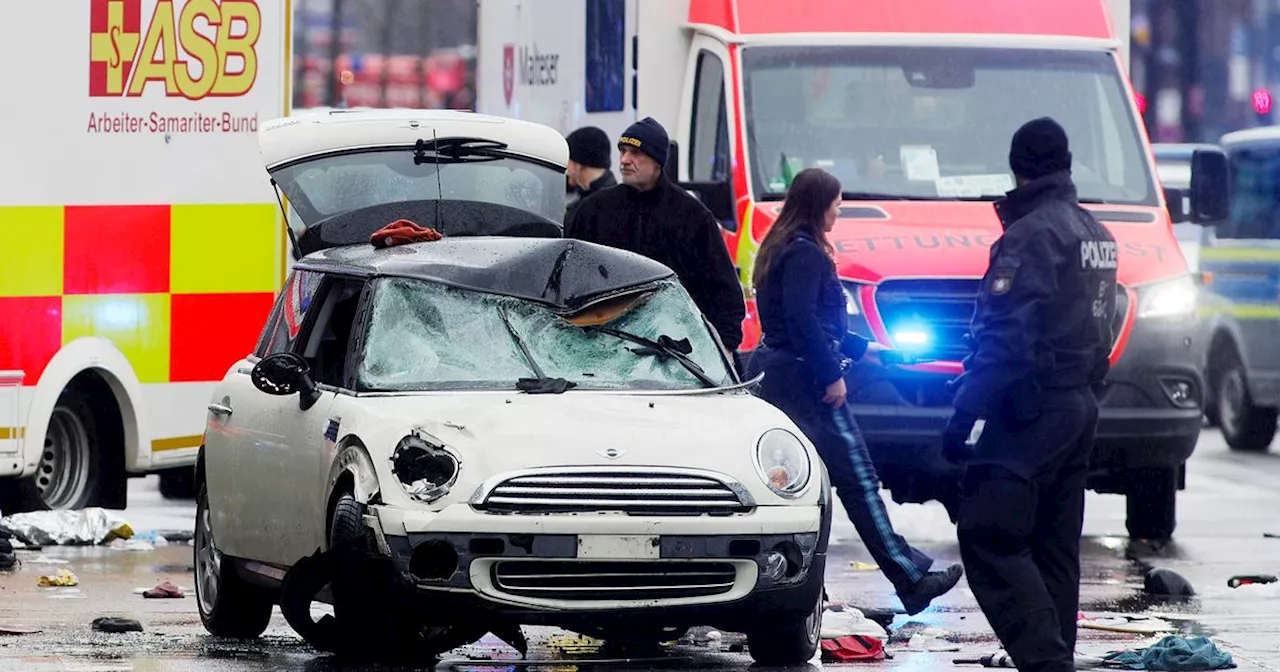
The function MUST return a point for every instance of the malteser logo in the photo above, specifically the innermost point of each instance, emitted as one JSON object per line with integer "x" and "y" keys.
{"x": 220, "y": 50}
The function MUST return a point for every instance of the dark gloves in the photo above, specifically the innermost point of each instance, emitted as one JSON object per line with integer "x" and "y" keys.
{"x": 956, "y": 436}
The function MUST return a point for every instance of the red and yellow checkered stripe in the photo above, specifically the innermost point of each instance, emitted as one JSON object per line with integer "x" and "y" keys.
{"x": 181, "y": 290}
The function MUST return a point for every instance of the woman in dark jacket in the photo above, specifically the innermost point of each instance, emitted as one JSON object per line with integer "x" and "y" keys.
{"x": 805, "y": 350}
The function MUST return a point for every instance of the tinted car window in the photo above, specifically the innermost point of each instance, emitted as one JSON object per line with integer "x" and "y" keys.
{"x": 291, "y": 309}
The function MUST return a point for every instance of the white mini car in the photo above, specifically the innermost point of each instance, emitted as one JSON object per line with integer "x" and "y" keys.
{"x": 498, "y": 428}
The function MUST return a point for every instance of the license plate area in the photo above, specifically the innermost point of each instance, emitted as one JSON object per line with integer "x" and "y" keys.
{"x": 618, "y": 547}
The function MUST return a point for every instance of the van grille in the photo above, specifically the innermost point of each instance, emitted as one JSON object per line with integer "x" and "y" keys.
{"x": 634, "y": 492}
{"x": 610, "y": 580}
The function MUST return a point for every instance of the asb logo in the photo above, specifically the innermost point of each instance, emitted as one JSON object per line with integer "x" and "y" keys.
{"x": 202, "y": 48}
{"x": 508, "y": 72}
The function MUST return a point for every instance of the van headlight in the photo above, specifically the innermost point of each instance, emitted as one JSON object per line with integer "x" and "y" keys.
{"x": 425, "y": 469}
{"x": 1172, "y": 298}
{"x": 783, "y": 463}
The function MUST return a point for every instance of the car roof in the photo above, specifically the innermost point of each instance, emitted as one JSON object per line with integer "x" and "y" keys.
{"x": 1262, "y": 135}
{"x": 1178, "y": 150}
{"x": 564, "y": 273}
{"x": 314, "y": 133}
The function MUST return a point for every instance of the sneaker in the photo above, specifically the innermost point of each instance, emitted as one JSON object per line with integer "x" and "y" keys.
{"x": 934, "y": 584}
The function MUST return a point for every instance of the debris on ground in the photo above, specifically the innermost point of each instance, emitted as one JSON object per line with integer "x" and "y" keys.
{"x": 908, "y": 631}
{"x": 931, "y": 641}
{"x": 1249, "y": 579}
{"x": 8, "y": 559}
{"x": 841, "y": 621}
{"x": 1173, "y": 653}
{"x": 164, "y": 590}
{"x": 116, "y": 625}
{"x": 84, "y": 527}
{"x": 46, "y": 560}
{"x": 1167, "y": 583}
{"x": 1138, "y": 625}
{"x": 852, "y": 648}
{"x": 60, "y": 579}
{"x": 7, "y": 630}
{"x": 859, "y": 566}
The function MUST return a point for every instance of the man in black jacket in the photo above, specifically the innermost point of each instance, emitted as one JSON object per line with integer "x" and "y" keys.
{"x": 589, "y": 162}
{"x": 1042, "y": 333}
{"x": 649, "y": 215}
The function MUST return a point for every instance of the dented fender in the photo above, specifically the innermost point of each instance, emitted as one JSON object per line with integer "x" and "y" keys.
{"x": 353, "y": 459}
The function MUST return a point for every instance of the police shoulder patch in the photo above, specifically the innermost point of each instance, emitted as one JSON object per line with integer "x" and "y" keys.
{"x": 1002, "y": 279}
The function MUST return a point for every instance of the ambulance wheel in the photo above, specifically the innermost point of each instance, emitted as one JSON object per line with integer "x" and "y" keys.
{"x": 229, "y": 606}
{"x": 1246, "y": 427}
{"x": 68, "y": 473}
{"x": 787, "y": 643}
{"x": 1152, "y": 503}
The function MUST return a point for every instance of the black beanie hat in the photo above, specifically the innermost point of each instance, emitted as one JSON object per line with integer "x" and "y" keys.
{"x": 1039, "y": 148}
{"x": 648, "y": 136}
{"x": 589, "y": 146}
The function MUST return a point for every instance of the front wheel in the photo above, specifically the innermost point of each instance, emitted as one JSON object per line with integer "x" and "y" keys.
{"x": 1245, "y": 427}
{"x": 229, "y": 605}
{"x": 789, "y": 642}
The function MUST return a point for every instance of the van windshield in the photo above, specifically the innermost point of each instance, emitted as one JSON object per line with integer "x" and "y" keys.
{"x": 936, "y": 122}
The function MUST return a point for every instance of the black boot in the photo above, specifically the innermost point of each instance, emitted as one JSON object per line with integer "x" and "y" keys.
{"x": 932, "y": 585}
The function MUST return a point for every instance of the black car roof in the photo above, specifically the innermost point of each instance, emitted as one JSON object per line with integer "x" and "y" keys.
{"x": 564, "y": 273}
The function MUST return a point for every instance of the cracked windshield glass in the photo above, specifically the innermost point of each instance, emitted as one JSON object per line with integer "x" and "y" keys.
{"x": 427, "y": 336}
{"x": 935, "y": 123}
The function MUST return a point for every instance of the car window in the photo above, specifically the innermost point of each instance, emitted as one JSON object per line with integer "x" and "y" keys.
{"x": 1255, "y": 195}
{"x": 290, "y": 311}
{"x": 427, "y": 336}
{"x": 327, "y": 342}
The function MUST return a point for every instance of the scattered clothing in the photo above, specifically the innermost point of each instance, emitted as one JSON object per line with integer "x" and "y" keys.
{"x": 114, "y": 625}
{"x": 403, "y": 232}
{"x": 1174, "y": 653}
{"x": 92, "y": 525}
{"x": 840, "y": 622}
{"x": 852, "y": 648}
{"x": 60, "y": 579}
{"x": 164, "y": 590}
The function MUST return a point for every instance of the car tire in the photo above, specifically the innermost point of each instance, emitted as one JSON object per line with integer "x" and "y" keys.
{"x": 229, "y": 606}
{"x": 178, "y": 483}
{"x": 1245, "y": 427}
{"x": 1151, "y": 503}
{"x": 788, "y": 643}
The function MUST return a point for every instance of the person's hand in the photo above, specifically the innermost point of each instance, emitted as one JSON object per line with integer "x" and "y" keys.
{"x": 956, "y": 436}
{"x": 836, "y": 393}
{"x": 872, "y": 355}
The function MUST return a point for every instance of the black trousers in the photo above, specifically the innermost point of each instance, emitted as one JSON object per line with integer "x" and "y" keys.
{"x": 788, "y": 386}
{"x": 1019, "y": 526}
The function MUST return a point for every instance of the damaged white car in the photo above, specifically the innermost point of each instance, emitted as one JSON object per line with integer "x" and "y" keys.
{"x": 498, "y": 428}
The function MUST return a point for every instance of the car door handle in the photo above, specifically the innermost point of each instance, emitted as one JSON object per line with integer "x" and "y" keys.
{"x": 219, "y": 409}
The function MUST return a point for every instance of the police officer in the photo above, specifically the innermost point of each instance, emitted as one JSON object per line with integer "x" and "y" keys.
{"x": 1041, "y": 335}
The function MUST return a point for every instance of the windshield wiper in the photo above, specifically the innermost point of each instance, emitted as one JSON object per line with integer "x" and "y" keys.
{"x": 456, "y": 150}
{"x": 663, "y": 348}
{"x": 540, "y": 384}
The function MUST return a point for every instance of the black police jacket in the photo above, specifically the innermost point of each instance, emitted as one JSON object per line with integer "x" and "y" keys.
{"x": 1044, "y": 312}
{"x": 803, "y": 310}
{"x": 600, "y": 184}
{"x": 671, "y": 227}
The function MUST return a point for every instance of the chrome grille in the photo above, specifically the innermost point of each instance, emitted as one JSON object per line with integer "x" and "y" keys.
{"x": 609, "y": 580}
{"x": 664, "y": 493}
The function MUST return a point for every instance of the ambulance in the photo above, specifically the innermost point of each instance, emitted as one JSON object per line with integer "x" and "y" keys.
{"x": 911, "y": 104}
{"x": 141, "y": 245}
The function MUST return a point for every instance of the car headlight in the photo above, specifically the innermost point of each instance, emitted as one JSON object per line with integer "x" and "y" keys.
{"x": 1173, "y": 298}
{"x": 425, "y": 470}
{"x": 783, "y": 463}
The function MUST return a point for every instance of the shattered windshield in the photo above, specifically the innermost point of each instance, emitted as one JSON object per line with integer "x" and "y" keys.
{"x": 936, "y": 123}
{"x": 332, "y": 185}
{"x": 428, "y": 336}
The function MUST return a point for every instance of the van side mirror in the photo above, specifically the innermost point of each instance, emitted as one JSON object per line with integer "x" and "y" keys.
{"x": 716, "y": 195}
{"x": 283, "y": 374}
{"x": 1178, "y": 203}
{"x": 1210, "y": 186}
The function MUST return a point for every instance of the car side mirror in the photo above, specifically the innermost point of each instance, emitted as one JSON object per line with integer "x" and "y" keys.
{"x": 283, "y": 374}
{"x": 1178, "y": 204}
{"x": 1210, "y": 186}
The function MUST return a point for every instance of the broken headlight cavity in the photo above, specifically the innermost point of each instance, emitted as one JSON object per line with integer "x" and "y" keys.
{"x": 425, "y": 469}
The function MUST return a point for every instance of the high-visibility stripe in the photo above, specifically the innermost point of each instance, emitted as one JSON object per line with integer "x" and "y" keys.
{"x": 116, "y": 249}
{"x": 176, "y": 443}
{"x": 212, "y": 331}
{"x": 30, "y": 333}
{"x": 222, "y": 249}
{"x": 31, "y": 245}
{"x": 1245, "y": 311}
{"x": 1239, "y": 253}
{"x": 7, "y": 433}
{"x": 138, "y": 325}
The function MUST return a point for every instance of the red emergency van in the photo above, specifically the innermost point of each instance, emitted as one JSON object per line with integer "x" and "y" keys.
{"x": 911, "y": 104}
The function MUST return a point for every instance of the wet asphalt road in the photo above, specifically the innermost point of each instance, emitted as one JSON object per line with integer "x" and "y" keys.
{"x": 1232, "y": 500}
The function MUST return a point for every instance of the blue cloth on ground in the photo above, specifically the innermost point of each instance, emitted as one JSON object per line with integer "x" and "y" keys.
{"x": 1173, "y": 653}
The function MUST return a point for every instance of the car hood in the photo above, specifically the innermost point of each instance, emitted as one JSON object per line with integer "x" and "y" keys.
{"x": 879, "y": 240}
{"x": 496, "y": 433}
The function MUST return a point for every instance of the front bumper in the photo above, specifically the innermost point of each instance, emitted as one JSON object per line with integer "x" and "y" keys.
{"x": 596, "y": 570}
{"x": 1142, "y": 423}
